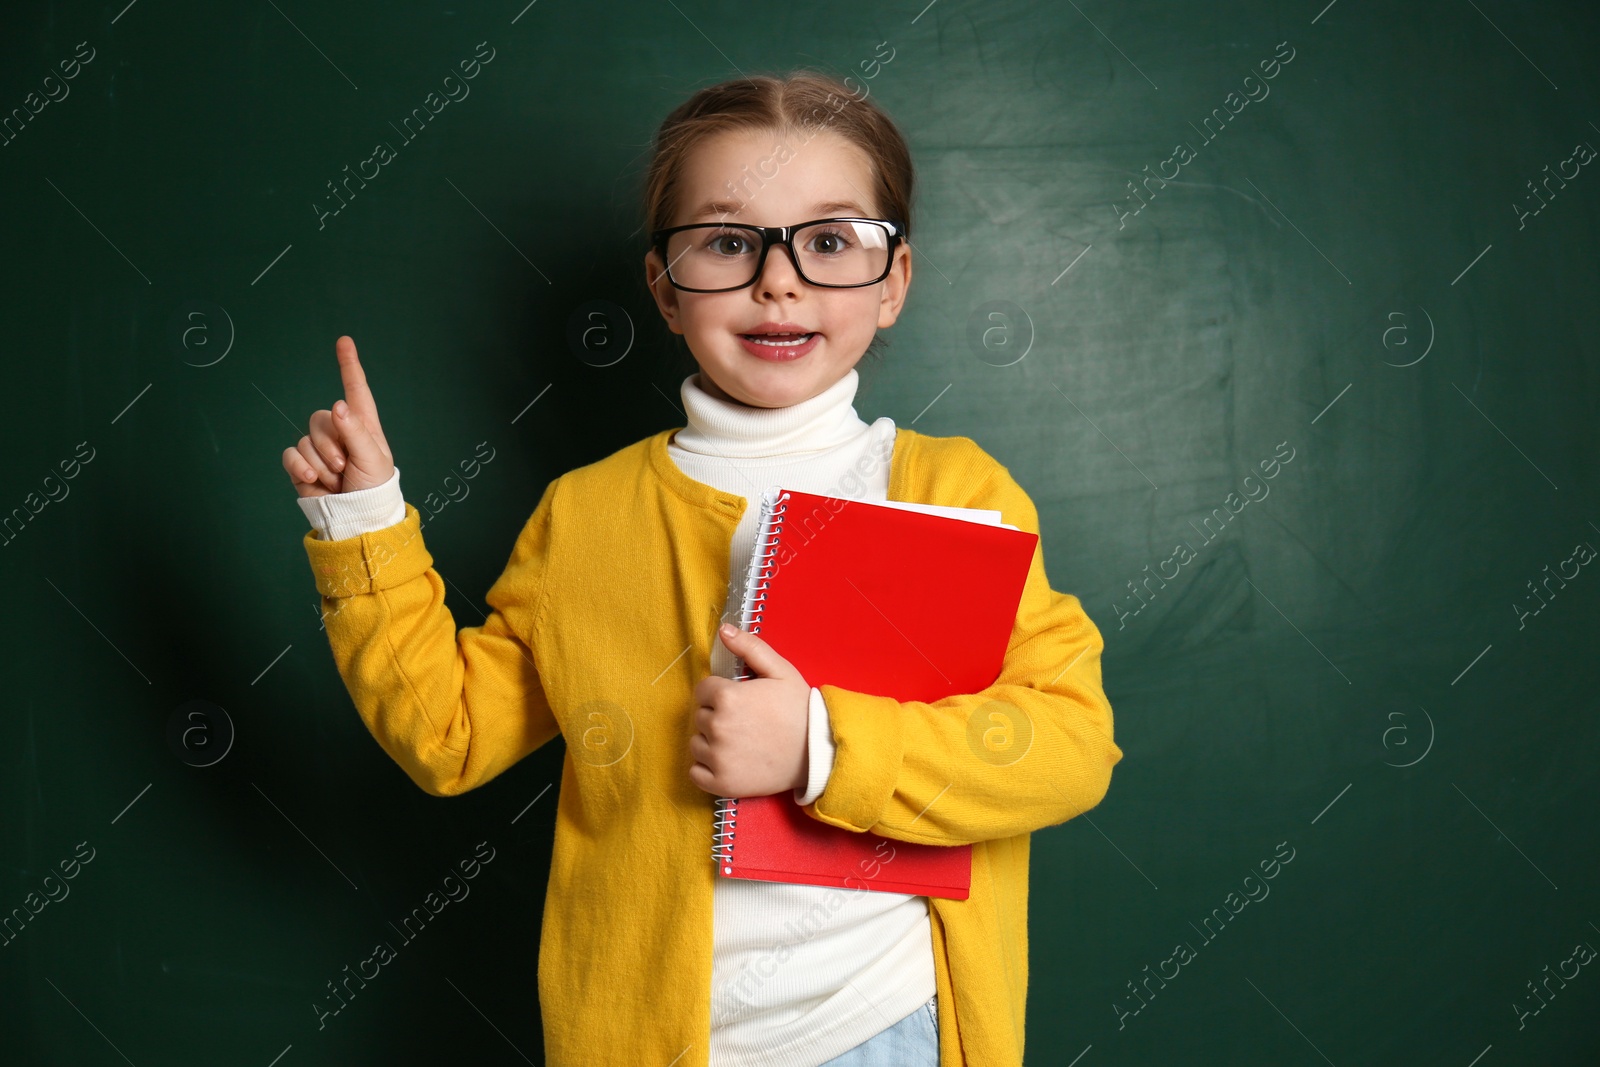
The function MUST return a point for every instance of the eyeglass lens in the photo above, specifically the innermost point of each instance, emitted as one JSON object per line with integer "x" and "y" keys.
{"x": 829, "y": 253}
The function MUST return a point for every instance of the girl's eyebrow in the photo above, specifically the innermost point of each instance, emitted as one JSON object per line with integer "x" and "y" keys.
{"x": 729, "y": 207}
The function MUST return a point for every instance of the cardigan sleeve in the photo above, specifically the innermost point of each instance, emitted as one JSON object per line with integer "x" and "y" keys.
{"x": 454, "y": 708}
{"x": 1032, "y": 750}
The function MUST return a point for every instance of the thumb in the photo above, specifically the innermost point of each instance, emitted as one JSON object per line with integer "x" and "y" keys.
{"x": 758, "y": 656}
{"x": 366, "y": 453}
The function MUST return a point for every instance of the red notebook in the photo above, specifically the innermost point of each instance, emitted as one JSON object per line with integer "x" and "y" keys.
{"x": 882, "y": 599}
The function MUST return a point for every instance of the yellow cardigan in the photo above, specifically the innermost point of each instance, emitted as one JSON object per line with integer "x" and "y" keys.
{"x": 601, "y": 627}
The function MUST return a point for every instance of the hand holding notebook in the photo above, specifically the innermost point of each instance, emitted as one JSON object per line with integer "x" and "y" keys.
{"x": 910, "y": 601}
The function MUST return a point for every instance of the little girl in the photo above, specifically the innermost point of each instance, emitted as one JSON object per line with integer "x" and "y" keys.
{"x": 779, "y": 211}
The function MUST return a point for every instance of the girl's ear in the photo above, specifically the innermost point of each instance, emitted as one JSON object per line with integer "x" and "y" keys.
{"x": 895, "y": 287}
{"x": 666, "y": 297}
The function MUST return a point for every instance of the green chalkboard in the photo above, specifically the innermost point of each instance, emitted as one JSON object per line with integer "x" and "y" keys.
{"x": 1284, "y": 314}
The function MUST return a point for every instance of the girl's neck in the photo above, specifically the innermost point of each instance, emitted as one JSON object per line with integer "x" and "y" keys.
{"x": 726, "y": 427}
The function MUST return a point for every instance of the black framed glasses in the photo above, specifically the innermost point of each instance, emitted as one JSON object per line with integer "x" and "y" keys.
{"x": 718, "y": 257}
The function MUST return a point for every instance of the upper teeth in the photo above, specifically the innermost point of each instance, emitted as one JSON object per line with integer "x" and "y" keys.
{"x": 768, "y": 339}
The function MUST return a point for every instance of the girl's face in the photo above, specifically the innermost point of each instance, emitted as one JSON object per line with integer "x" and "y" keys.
{"x": 725, "y": 180}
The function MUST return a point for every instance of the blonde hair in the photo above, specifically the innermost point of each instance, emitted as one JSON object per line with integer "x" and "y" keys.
{"x": 801, "y": 101}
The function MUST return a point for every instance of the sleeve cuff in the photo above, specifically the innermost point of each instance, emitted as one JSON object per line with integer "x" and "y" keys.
{"x": 819, "y": 742}
{"x": 379, "y": 559}
{"x": 337, "y": 516}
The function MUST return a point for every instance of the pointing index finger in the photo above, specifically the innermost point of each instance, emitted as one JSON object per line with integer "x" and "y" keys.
{"x": 356, "y": 393}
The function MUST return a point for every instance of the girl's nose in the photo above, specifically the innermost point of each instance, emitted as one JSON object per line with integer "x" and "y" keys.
{"x": 778, "y": 273}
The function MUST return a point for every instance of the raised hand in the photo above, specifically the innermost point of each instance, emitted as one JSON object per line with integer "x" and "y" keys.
{"x": 345, "y": 450}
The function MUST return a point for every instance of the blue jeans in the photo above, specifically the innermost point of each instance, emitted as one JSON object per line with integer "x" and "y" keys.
{"x": 911, "y": 1042}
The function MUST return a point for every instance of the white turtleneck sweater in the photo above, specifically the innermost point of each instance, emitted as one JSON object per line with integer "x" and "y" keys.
{"x": 800, "y": 973}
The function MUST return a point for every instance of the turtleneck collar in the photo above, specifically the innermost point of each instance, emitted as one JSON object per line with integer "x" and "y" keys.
{"x": 725, "y": 429}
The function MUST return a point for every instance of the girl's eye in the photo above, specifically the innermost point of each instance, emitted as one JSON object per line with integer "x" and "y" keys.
{"x": 829, "y": 243}
{"x": 729, "y": 244}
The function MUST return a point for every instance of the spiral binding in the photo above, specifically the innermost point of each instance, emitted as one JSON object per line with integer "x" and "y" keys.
{"x": 755, "y": 595}
{"x": 722, "y": 835}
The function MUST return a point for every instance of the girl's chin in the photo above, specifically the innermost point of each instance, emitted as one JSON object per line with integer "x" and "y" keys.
{"x": 758, "y": 394}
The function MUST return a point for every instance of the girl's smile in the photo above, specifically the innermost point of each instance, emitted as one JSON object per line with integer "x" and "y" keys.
{"x": 779, "y": 341}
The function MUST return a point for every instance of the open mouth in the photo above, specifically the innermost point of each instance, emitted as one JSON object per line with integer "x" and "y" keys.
{"x": 778, "y": 340}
